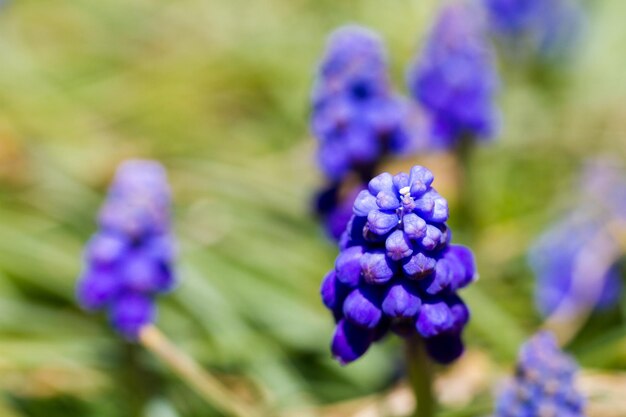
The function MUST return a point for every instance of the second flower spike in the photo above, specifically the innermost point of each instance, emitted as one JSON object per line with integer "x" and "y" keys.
{"x": 454, "y": 78}
{"x": 129, "y": 260}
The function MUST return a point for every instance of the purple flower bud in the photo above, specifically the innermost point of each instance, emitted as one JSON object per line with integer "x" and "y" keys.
{"x": 387, "y": 201}
{"x": 433, "y": 239}
{"x": 365, "y": 202}
{"x": 333, "y": 292}
{"x": 106, "y": 248}
{"x": 362, "y": 307}
{"x": 398, "y": 246}
{"x": 441, "y": 279}
{"x": 348, "y": 265}
{"x": 130, "y": 312}
{"x": 350, "y": 342}
{"x": 434, "y": 319}
{"x": 421, "y": 178}
{"x": 425, "y": 206}
{"x": 460, "y": 313}
{"x": 402, "y": 301}
{"x": 380, "y": 183}
{"x": 432, "y": 207}
{"x": 381, "y": 222}
{"x": 464, "y": 266}
{"x": 414, "y": 226}
{"x": 419, "y": 266}
{"x": 97, "y": 288}
{"x": 401, "y": 181}
{"x": 376, "y": 268}
{"x": 141, "y": 272}
{"x": 445, "y": 348}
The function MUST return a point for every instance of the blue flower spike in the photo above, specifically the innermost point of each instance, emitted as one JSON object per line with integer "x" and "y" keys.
{"x": 454, "y": 78}
{"x": 129, "y": 261}
{"x": 543, "y": 384}
{"x": 397, "y": 271}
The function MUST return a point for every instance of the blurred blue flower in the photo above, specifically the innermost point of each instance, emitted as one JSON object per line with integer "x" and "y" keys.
{"x": 454, "y": 78}
{"x": 548, "y": 29}
{"x": 543, "y": 384}
{"x": 514, "y": 17}
{"x": 577, "y": 261}
{"x": 561, "y": 260}
{"x": 357, "y": 120}
{"x": 355, "y": 116}
{"x": 397, "y": 271}
{"x": 129, "y": 260}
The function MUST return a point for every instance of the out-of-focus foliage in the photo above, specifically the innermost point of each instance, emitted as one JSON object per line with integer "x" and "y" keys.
{"x": 218, "y": 92}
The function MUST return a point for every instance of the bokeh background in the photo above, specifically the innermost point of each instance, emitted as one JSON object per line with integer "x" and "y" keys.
{"x": 218, "y": 92}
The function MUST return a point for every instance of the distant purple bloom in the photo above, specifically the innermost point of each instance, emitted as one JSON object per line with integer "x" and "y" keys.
{"x": 129, "y": 260}
{"x": 543, "y": 384}
{"x": 397, "y": 271}
{"x": 562, "y": 260}
{"x": 355, "y": 115}
{"x": 544, "y": 28}
{"x": 514, "y": 17}
{"x": 454, "y": 78}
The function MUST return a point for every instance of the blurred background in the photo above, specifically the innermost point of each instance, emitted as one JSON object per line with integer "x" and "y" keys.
{"x": 218, "y": 91}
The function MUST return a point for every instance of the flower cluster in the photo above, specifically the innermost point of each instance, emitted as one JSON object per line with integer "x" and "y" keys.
{"x": 547, "y": 28}
{"x": 129, "y": 260}
{"x": 397, "y": 270}
{"x": 355, "y": 115}
{"x": 570, "y": 264}
{"x": 454, "y": 78}
{"x": 577, "y": 261}
{"x": 543, "y": 383}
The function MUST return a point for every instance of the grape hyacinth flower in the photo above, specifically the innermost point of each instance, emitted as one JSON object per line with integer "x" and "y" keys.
{"x": 543, "y": 384}
{"x": 575, "y": 263}
{"x": 129, "y": 260}
{"x": 355, "y": 115}
{"x": 397, "y": 271}
{"x": 454, "y": 78}
{"x": 547, "y": 29}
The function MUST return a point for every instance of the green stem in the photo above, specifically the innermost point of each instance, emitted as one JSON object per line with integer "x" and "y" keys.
{"x": 464, "y": 153}
{"x": 205, "y": 384}
{"x": 134, "y": 381}
{"x": 420, "y": 370}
